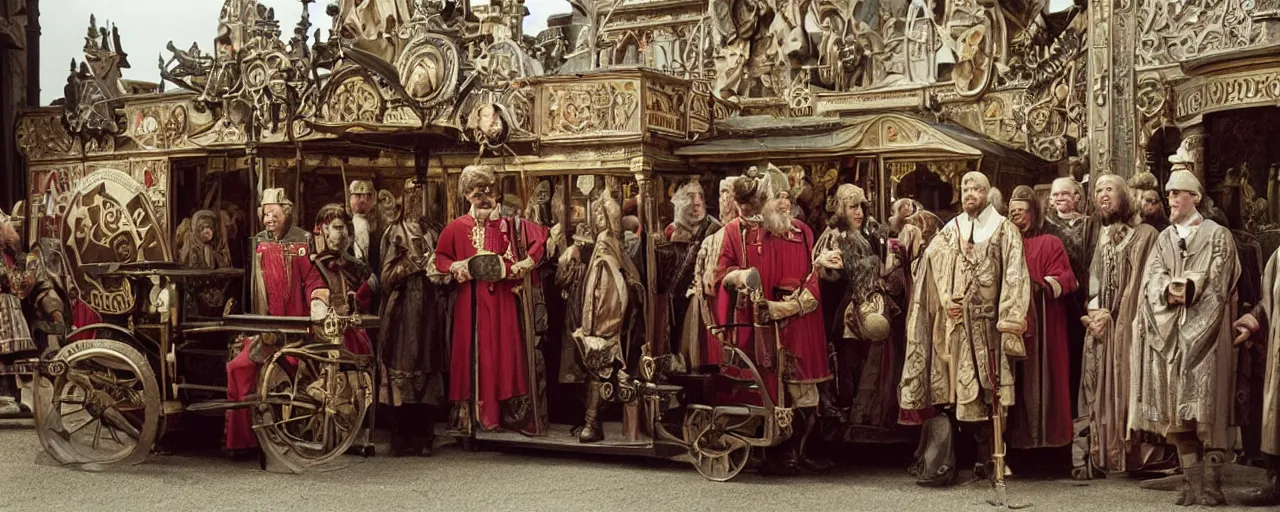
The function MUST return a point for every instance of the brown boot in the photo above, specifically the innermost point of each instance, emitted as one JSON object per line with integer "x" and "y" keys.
{"x": 591, "y": 431}
{"x": 1269, "y": 494}
{"x": 1211, "y": 495}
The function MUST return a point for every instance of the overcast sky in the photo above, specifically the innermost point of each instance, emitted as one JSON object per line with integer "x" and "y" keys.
{"x": 146, "y": 26}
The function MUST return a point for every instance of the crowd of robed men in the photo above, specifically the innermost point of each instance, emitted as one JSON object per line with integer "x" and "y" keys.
{"x": 1116, "y": 332}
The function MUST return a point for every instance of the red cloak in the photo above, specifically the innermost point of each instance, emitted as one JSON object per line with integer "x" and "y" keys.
{"x": 1041, "y": 416}
{"x": 503, "y": 374}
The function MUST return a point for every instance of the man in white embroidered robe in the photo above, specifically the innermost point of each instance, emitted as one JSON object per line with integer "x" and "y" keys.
{"x": 1181, "y": 381}
{"x": 969, "y": 305}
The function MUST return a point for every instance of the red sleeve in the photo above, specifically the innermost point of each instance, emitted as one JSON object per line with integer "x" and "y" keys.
{"x": 535, "y": 236}
{"x": 312, "y": 280}
{"x": 729, "y": 256}
{"x": 1058, "y": 266}
{"x": 364, "y": 297}
{"x": 446, "y": 252}
{"x": 671, "y": 228}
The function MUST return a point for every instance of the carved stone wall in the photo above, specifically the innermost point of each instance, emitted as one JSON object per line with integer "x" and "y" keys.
{"x": 19, "y": 35}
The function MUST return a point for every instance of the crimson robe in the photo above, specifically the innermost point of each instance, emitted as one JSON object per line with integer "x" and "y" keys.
{"x": 1041, "y": 415}
{"x": 283, "y": 281}
{"x": 502, "y": 362}
{"x": 341, "y": 275}
{"x": 785, "y": 265}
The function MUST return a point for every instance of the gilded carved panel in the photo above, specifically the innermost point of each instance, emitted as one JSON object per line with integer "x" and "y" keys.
{"x": 1209, "y": 94}
{"x": 666, "y": 108}
{"x": 1172, "y": 32}
{"x": 41, "y": 136}
{"x": 580, "y": 110}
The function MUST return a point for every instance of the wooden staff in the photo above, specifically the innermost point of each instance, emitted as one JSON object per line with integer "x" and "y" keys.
{"x": 526, "y": 303}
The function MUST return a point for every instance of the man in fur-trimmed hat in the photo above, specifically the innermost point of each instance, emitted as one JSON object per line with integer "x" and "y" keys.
{"x": 1041, "y": 415}
{"x": 767, "y": 259}
{"x": 1181, "y": 362}
{"x": 282, "y": 282}
{"x": 970, "y": 298}
{"x": 488, "y": 255}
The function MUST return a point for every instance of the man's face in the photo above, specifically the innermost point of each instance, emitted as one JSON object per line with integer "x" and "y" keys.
{"x": 361, "y": 203}
{"x": 1108, "y": 198}
{"x": 1020, "y": 214}
{"x": 782, "y": 203}
{"x": 1151, "y": 206}
{"x": 853, "y": 212}
{"x": 973, "y": 197}
{"x": 335, "y": 234}
{"x": 1182, "y": 204}
{"x": 206, "y": 234}
{"x": 904, "y": 210}
{"x": 1064, "y": 198}
{"x": 697, "y": 206}
{"x": 273, "y": 218}
{"x": 482, "y": 199}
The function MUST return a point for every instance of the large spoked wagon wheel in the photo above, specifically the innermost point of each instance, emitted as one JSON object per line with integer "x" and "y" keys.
{"x": 97, "y": 405}
{"x": 718, "y": 453}
{"x": 311, "y": 404}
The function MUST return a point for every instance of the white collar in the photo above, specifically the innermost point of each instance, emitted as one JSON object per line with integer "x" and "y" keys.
{"x": 981, "y": 227}
{"x": 1185, "y": 227}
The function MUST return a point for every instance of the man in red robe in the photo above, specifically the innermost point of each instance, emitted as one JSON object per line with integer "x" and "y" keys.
{"x": 1041, "y": 414}
{"x": 767, "y": 239}
{"x": 283, "y": 282}
{"x": 479, "y": 250}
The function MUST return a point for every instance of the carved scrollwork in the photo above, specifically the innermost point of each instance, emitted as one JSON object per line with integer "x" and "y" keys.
{"x": 352, "y": 97}
{"x": 1170, "y": 32}
{"x": 44, "y": 137}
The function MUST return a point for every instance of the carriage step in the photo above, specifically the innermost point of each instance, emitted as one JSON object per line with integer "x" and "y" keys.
{"x": 732, "y": 410}
{"x": 202, "y": 387}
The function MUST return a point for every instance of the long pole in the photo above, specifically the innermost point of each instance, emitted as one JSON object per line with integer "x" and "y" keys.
{"x": 526, "y": 304}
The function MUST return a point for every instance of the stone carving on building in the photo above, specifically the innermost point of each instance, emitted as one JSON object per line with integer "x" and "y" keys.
{"x": 1171, "y": 32}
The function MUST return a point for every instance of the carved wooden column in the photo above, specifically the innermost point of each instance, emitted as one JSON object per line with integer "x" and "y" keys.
{"x": 1112, "y": 35}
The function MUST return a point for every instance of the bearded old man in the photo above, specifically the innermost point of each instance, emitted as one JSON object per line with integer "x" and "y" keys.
{"x": 610, "y": 314}
{"x": 1146, "y": 191}
{"x": 705, "y": 309}
{"x": 868, "y": 362}
{"x": 478, "y": 250}
{"x": 1041, "y": 415}
{"x": 1182, "y": 358}
{"x": 767, "y": 241}
{"x": 969, "y": 306}
{"x": 413, "y": 344}
{"x": 366, "y": 230}
{"x": 1102, "y": 441}
{"x": 283, "y": 283}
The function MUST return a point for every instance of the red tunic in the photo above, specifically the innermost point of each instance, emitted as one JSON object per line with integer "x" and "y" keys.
{"x": 501, "y": 357}
{"x": 1041, "y": 415}
{"x": 288, "y": 279}
{"x": 784, "y": 264}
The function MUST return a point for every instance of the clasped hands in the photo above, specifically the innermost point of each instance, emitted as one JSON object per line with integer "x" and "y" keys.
{"x": 830, "y": 259}
{"x": 1096, "y": 321}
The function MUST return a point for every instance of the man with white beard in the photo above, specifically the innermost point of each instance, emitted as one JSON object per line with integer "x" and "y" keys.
{"x": 768, "y": 248}
{"x": 965, "y": 323}
{"x": 367, "y": 234}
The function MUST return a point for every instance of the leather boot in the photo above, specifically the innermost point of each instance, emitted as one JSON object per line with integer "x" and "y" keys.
{"x": 781, "y": 459}
{"x": 591, "y": 431}
{"x": 1192, "y": 485}
{"x": 937, "y": 454}
{"x": 401, "y": 444}
{"x": 806, "y": 461}
{"x": 427, "y": 441}
{"x": 1269, "y": 494}
{"x": 1211, "y": 494}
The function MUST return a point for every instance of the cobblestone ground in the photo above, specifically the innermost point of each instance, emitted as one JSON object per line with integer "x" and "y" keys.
{"x": 454, "y": 480}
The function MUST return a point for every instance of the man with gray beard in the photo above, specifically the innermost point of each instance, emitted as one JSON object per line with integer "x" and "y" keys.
{"x": 965, "y": 323}
{"x": 1102, "y": 444}
{"x": 684, "y": 236}
{"x": 766, "y": 241}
